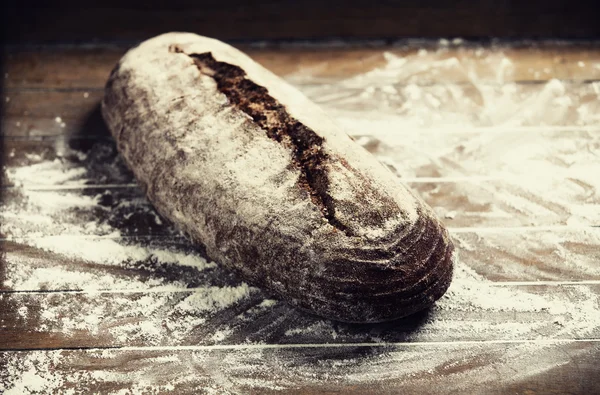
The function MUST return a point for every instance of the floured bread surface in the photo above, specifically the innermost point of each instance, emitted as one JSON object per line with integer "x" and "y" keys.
{"x": 250, "y": 168}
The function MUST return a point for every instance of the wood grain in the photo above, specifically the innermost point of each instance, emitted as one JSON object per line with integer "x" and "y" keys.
{"x": 502, "y": 256}
{"x": 463, "y": 205}
{"x": 54, "y": 113}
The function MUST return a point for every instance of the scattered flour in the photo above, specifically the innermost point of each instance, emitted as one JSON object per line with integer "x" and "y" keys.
{"x": 55, "y": 172}
{"x": 137, "y": 294}
{"x": 111, "y": 252}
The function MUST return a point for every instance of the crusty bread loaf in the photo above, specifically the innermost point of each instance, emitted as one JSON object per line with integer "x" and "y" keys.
{"x": 272, "y": 187}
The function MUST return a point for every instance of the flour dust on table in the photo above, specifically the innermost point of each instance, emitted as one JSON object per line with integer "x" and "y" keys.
{"x": 88, "y": 264}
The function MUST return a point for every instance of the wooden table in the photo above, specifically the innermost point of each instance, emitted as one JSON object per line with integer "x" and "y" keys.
{"x": 99, "y": 294}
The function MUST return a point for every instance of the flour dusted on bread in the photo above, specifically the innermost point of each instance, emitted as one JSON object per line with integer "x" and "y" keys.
{"x": 247, "y": 166}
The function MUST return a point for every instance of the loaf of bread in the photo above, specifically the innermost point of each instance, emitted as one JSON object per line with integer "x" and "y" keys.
{"x": 270, "y": 185}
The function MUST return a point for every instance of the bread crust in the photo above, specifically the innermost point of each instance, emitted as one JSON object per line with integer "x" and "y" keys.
{"x": 247, "y": 166}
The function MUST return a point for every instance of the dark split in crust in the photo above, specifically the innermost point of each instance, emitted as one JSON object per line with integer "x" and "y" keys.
{"x": 308, "y": 154}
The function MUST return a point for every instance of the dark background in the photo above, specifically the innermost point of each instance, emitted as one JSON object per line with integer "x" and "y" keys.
{"x": 74, "y": 21}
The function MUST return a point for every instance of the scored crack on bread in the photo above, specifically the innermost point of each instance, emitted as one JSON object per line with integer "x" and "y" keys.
{"x": 247, "y": 166}
{"x": 308, "y": 154}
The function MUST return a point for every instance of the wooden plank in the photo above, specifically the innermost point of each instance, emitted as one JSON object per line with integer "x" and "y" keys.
{"x": 88, "y": 68}
{"x": 356, "y": 19}
{"x": 463, "y": 177}
{"x": 493, "y": 154}
{"x": 235, "y": 314}
{"x": 494, "y": 204}
{"x": 354, "y": 103}
{"x": 568, "y": 367}
{"x": 427, "y": 156}
{"x": 44, "y": 263}
{"x": 83, "y": 69}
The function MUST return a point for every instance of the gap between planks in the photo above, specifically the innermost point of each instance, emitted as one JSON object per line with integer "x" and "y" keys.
{"x": 316, "y": 345}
